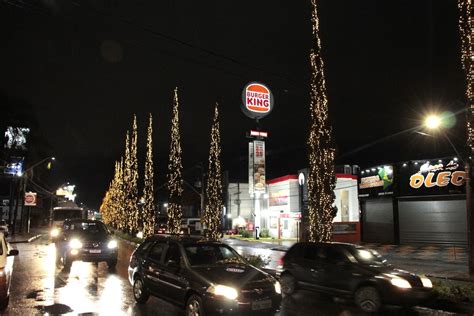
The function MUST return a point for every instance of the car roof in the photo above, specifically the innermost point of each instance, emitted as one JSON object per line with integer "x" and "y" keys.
{"x": 80, "y": 220}
{"x": 184, "y": 239}
{"x": 332, "y": 244}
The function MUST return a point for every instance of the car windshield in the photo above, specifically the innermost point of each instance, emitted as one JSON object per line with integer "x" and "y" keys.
{"x": 206, "y": 254}
{"x": 368, "y": 256}
{"x": 60, "y": 215}
{"x": 86, "y": 227}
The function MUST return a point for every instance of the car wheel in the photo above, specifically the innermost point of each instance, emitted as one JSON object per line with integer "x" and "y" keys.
{"x": 139, "y": 292}
{"x": 194, "y": 306}
{"x": 288, "y": 285}
{"x": 367, "y": 298}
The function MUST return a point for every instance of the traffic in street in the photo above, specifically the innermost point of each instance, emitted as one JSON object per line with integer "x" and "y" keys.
{"x": 94, "y": 289}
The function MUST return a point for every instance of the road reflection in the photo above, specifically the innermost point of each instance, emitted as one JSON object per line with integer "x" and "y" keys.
{"x": 85, "y": 288}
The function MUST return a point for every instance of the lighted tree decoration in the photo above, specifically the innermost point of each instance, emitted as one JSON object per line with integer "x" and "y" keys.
{"x": 213, "y": 208}
{"x": 321, "y": 176}
{"x": 466, "y": 30}
{"x": 119, "y": 207}
{"x": 134, "y": 215}
{"x": 148, "y": 189}
{"x": 127, "y": 186}
{"x": 175, "y": 179}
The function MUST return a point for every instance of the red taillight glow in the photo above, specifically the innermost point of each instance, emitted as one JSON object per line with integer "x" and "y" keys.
{"x": 281, "y": 261}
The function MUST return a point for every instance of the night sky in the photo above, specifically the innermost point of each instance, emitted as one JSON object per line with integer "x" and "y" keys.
{"x": 85, "y": 67}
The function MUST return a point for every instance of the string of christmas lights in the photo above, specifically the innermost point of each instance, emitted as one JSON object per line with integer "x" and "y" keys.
{"x": 213, "y": 208}
{"x": 134, "y": 215}
{"x": 321, "y": 177}
{"x": 148, "y": 189}
{"x": 127, "y": 187}
{"x": 175, "y": 167}
{"x": 466, "y": 30}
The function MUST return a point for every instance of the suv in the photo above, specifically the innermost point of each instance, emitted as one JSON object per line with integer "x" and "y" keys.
{"x": 351, "y": 271}
{"x": 204, "y": 276}
{"x": 86, "y": 240}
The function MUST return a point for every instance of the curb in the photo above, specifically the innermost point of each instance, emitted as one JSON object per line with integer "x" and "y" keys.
{"x": 25, "y": 241}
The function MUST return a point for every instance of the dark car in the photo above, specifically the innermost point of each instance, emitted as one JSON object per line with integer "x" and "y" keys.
{"x": 351, "y": 271}
{"x": 86, "y": 240}
{"x": 205, "y": 277}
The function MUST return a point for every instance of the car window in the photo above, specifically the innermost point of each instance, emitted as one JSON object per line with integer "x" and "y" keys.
{"x": 144, "y": 247}
{"x": 157, "y": 251}
{"x": 336, "y": 255}
{"x": 203, "y": 255}
{"x": 86, "y": 227}
{"x": 314, "y": 252}
{"x": 173, "y": 253}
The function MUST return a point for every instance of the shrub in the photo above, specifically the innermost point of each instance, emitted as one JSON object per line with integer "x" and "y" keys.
{"x": 264, "y": 233}
{"x": 258, "y": 260}
{"x": 454, "y": 292}
{"x": 246, "y": 233}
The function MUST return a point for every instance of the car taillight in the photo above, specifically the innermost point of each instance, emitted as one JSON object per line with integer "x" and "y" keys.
{"x": 281, "y": 261}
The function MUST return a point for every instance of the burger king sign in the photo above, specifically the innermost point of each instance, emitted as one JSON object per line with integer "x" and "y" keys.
{"x": 257, "y": 100}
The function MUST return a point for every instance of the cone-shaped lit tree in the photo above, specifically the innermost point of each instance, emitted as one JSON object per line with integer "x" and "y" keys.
{"x": 119, "y": 211}
{"x": 134, "y": 215}
{"x": 127, "y": 188}
{"x": 212, "y": 217}
{"x": 175, "y": 180}
{"x": 148, "y": 189}
{"x": 321, "y": 177}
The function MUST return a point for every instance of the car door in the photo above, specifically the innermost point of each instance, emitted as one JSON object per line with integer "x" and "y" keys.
{"x": 337, "y": 269}
{"x": 305, "y": 266}
{"x": 172, "y": 281}
{"x": 152, "y": 267}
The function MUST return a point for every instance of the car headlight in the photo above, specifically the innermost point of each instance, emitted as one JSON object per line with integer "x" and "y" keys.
{"x": 426, "y": 282}
{"x": 54, "y": 232}
{"x": 75, "y": 243}
{"x": 222, "y": 290}
{"x": 112, "y": 244}
{"x": 277, "y": 287}
{"x": 398, "y": 281}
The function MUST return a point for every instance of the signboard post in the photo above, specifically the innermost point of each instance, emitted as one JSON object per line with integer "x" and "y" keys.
{"x": 30, "y": 200}
{"x": 257, "y": 102}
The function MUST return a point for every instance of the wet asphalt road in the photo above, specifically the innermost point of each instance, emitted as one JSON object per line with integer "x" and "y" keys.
{"x": 40, "y": 287}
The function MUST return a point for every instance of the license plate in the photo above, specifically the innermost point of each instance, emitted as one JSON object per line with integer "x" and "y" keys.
{"x": 263, "y": 304}
{"x": 95, "y": 251}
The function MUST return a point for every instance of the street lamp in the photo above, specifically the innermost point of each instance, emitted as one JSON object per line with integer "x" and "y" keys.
{"x": 432, "y": 122}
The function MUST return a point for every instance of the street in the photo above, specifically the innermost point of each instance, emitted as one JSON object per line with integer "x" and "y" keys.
{"x": 41, "y": 287}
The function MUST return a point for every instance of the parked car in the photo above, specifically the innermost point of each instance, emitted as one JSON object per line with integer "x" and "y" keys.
{"x": 4, "y": 227}
{"x": 351, "y": 271}
{"x": 6, "y": 267}
{"x": 205, "y": 277}
{"x": 86, "y": 240}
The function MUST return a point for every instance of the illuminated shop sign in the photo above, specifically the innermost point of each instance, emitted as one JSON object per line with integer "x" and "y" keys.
{"x": 257, "y": 100}
{"x": 438, "y": 175}
{"x": 278, "y": 198}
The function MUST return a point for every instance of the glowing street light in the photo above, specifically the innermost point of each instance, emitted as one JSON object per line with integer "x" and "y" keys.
{"x": 433, "y": 122}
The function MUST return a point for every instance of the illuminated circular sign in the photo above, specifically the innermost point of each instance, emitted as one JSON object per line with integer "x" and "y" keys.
{"x": 257, "y": 100}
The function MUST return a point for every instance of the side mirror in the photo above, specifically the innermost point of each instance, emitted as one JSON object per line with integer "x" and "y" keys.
{"x": 13, "y": 252}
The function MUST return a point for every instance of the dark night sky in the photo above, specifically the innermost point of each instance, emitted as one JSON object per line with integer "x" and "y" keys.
{"x": 86, "y": 66}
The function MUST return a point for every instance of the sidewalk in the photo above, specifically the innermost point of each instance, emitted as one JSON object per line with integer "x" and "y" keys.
{"x": 24, "y": 237}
